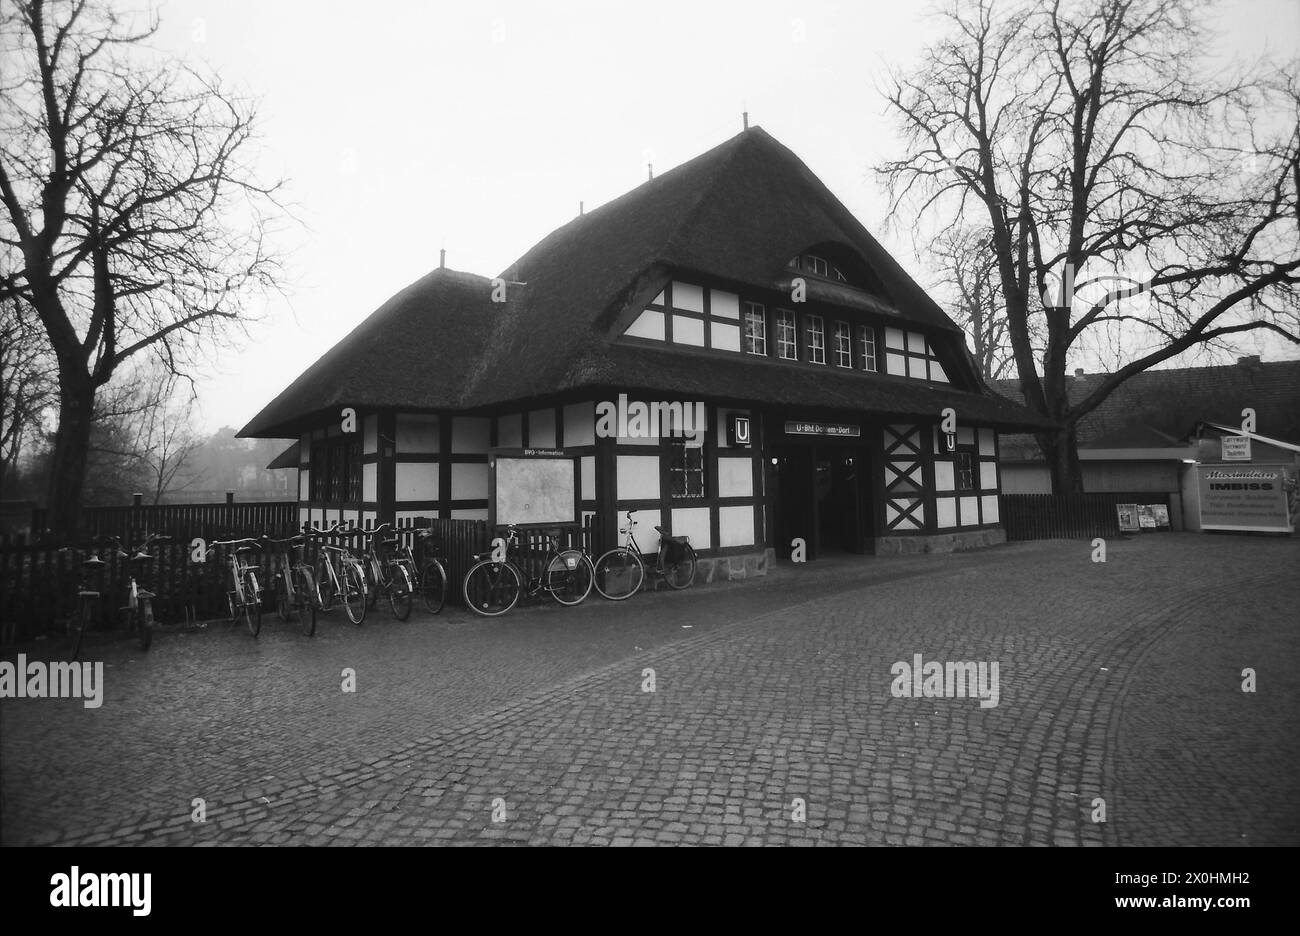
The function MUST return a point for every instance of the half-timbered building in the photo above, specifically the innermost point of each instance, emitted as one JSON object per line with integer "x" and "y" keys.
{"x": 735, "y": 285}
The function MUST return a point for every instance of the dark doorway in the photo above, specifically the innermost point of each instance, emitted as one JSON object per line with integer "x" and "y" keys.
{"x": 822, "y": 497}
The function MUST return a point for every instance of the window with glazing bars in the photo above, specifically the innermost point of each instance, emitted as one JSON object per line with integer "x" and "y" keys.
{"x": 816, "y": 340}
{"x": 755, "y": 328}
{"x": 685, "y": 469}
{"x": 866, "y": 347}
{"x": 787, "y": 344}
{"x": 843, "y": 345}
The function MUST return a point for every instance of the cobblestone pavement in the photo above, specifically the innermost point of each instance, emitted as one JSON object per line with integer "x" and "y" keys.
{"x": 1119, "y": 682}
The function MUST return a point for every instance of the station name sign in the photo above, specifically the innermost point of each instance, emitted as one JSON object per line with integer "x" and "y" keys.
{"x": 844, "y": 430}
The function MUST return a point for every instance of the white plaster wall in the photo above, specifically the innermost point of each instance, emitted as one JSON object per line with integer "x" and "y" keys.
{"x": 990, "y": 504}
{"x": 370, "y": 434}
{"x": 580, "y": 424}
{"x": 688, "y": 331}
{"x": 693, "y": 522}
{"x": 988, "y": 475}
{"x": 724, "y": 337}
{"x": 724, "y": 304}
{"x": 638, "y": 477}
{"x": 688, "y": 296}
{"x": 649, "y": 324}
{"x": 369, "y": 482}
{"x": 470, "y": 513}
{"x": 541, "y": 428}
{"x": 417, "y": 480}
{"x": 510, "y": 431}
{"x": 943, "y": 476}
{"x": 735, "y": 526}
{"x": 588, "y": 467}
{"x": 469, "y": 482}
{"x": 469, "y": 435}
{"x": 735, "y": 477}
{"x": 987, "y": 445}
{"x": 969, "y": 511}
{"x": 945, "y": 512}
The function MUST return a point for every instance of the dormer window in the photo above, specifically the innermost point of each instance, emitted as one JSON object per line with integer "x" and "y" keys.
{"x": 816, "y": 265}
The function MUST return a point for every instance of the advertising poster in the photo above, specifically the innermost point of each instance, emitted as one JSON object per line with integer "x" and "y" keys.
{"x": 1249, "y": 498}
{"x": 1128, "y": 518}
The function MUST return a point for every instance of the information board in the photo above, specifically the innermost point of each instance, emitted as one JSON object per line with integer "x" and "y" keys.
{"x": 534, "y": 486}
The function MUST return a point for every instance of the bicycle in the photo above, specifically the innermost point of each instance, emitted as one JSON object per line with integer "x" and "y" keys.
{"x": 294, "y": 584}
{"x": 621, "y": 571}
{"x": 138, "y": 612}
{"x": 389, "y": 571}
{"x": 494, "y": 584}
{"x": 244, "y": 596}
{"x": 431, "y": 583}
{"x": 339, "y": 573}
{"x": 88, "y": 595}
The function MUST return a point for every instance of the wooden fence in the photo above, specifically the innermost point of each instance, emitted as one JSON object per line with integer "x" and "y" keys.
{"x": 1068, "y": 516}
{"x": 210, "y": 521}
{"x": 39, "y": 581}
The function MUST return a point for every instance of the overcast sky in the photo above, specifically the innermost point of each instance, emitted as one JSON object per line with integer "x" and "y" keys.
{"x": 405, "y": 127}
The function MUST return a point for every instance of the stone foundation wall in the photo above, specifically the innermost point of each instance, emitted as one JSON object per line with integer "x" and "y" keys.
{"x": 725, "y": 568}
{"x": 957, "y": 541}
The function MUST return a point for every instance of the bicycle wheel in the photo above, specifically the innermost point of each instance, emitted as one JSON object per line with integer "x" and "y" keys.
{"x": 354, "y": 592}
{"x": 325, "y": 587}
{"x": 252, "y": 608}
{"x": 374, "y": 584}
{"x": 619, "y": 574}
{"x": 681, "y": 574}
{"x": 433, "y": 586}
{"x": 283, "y": 606}
{"x": 400, "y": 591}
{"x": 144, "y": 623}
{"x": 492, "y": 588}
{"x": 569, "y": 575}
{"x": 305, "y": 590}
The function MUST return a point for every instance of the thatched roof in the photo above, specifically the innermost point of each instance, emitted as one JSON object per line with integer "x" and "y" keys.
{"x": 735, "y": 214}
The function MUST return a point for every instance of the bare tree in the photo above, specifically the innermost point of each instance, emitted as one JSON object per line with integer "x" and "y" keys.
{"x": 1137, "y": 200}
{"x": 165, "y": 442}
{"x": 971, "y": 276}
{"x": 134, "y": 225}
{"x": 26, "y": 384}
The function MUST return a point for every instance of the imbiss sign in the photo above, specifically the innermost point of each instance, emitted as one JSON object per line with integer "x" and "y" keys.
{"x": 1235, "y": 497}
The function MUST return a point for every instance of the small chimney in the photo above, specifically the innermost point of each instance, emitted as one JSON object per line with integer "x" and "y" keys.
{"x": 442, "y": 259}
{"x": 581, "y": 209}
{"x": 651, "y": 168}
{"x": 1248, "y": 359}
{"x": 1078, "y": 372}
{"x": 744, "y": 116}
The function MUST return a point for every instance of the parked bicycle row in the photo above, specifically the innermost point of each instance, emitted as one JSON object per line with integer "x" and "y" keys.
{"x": 320, "y": 570}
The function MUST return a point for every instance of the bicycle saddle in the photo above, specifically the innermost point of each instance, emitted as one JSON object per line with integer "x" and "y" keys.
{"x": 388, "y": 543}
{"x": 661, "y": 531}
